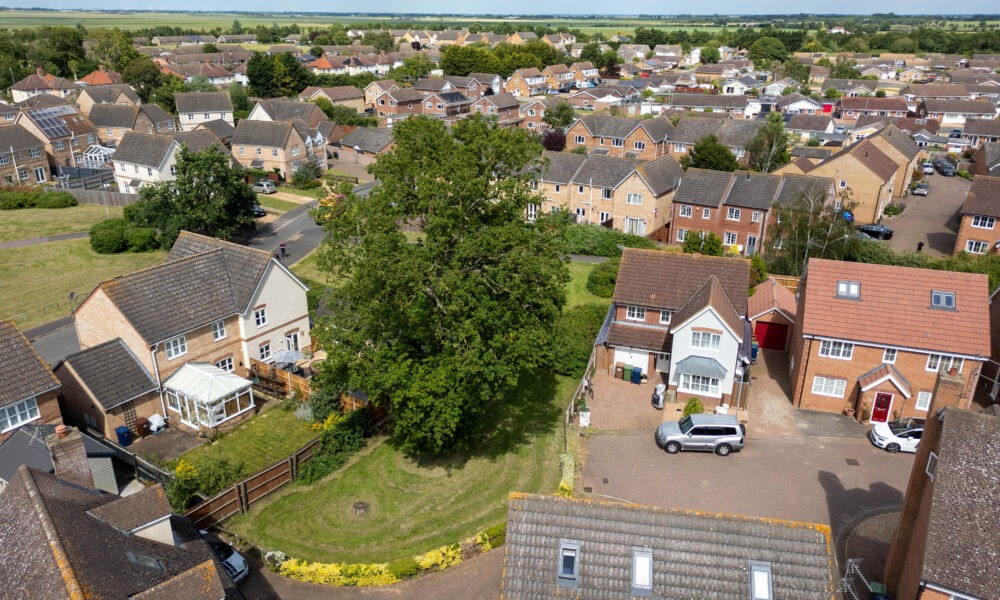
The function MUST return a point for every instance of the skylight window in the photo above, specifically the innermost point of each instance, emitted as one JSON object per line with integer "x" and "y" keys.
{"x": 569, "y": 563}
{"x": 848, "y": 289}
{"x": 760, "y": 581}
{"x": 642, "y": 572}
{"x": 944, "y": 300}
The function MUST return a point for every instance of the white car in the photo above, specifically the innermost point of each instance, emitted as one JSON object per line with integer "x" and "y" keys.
{"x": 901, "y": 435}
{"x": 235, "y": 565}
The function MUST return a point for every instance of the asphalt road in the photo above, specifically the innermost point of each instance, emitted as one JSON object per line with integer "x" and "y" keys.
{"x": 932, "y": 219}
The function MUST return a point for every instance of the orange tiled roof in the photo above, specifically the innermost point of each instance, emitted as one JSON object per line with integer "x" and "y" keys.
{"x": 771, "y": 295}
{"x": 894, "y": 308}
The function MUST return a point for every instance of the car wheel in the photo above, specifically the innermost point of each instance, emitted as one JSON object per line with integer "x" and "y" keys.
{"x": 672, "y": 447}
{"x": 892, "y": 448}
{"x": 723, "y": 449}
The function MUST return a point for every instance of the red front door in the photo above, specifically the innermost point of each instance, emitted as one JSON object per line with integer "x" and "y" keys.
{"x": 880, "y": 409}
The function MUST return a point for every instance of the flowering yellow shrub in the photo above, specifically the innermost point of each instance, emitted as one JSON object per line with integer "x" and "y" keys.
{"x": 331, "y": 419}
{"x": 564, "y": 490}
{"x": 338, "y": 573}
{"x": 440, "y": 558}
{"x": 185, "y": 470}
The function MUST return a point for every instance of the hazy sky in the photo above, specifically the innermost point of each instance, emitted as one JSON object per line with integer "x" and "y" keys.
{"x": 530, "y": 7}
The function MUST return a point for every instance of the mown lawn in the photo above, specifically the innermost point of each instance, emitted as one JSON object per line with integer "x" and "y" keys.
{"x": 413, "y": 505}
{"x": 37, "y": 280}
{"x": 28, "y": 223}
{"x": 308, "y": 268}
{"x": 276, "y": 203}
{"x": 259, "y": 442}
{"x": 576, "y": 290}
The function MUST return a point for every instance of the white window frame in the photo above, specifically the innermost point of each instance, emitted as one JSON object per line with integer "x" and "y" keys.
{"x": 943, "y": 300}
{"x": 699, "y": 384}
{"x": 983, "y": 222}
{"x": 733, "y": 214}
{"x": 532, "y": 211}
{"x": 226, "y": 364}
{"x": 755, "y": 216}
{"x": 604, "y": 217}
{"x": 219, "y": 330}
{"x": 976, "y": 247}
{"x": 682, "y": 235}
{"x": 175, "y": 347}
{"x": 730, "y": 238}
{"x": 639, "y": 146}
{"x": 264, "y": 350}
{"x": 835, "y": 349}
{"x": 936, "y": 361}
{"x": 848, "y": 289}
{"x": 617, "y": 143}
{"x": 706, "y": 213}
{"x": 665, "y": 316}
{"x": 706, "y": 340}
{"x": 642, "y": 572}
{"x": 568, "y": 548}
{"x": 829, "y": 386}
{"x": 923, "y": 401}
{"x": 260, "y": 317}
{"x": 579, "y": 139}
{"x": 634, "y": 199}
{"x": 889, "y": 356}
{"x": 14, "y": 415}
{"x": 635, "y": 313}
{"x": 686, "y": 211}
{"x": 606, "y": 193}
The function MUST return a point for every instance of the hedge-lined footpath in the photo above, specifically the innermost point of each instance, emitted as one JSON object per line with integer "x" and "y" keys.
{"x": 359, "y": 574}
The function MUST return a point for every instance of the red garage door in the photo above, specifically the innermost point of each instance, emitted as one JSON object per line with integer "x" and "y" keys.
{"x": 771, "y": 335}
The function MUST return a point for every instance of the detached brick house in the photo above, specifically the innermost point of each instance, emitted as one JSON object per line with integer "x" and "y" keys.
{"x": 22, "y": 158}
{"x": 28, "y": 389}
{"x": 979, "y": 231}
{"x": 850, "y": 108}
{"x": 65, "y": 131}
{"x": 956, "y": 112}
{"x": 873, "y": 337}
{"x": 113, "y": 121}
{"x": 398, "y": 104}
{"x": 195, "y": 108}
{"x": 731, "y": 105}
{"x": 681, "y": 319}
{"x": 504, "y": 107}
{"x": 274, "y": 146}
{"x": 121, "y": 95}
{"x": 621, "y": 137}
{"x": 41, "y": 82}
{"x": 526, "y": 82}
{"x": 343, "y": 95}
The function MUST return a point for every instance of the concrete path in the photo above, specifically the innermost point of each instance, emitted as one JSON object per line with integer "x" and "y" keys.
{"x": 77, "y": 235}
{"x": 770, "y": 411}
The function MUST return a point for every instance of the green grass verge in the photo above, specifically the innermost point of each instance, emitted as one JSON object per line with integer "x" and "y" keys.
{"x": 576, "y": 290}
{"x": 413, "y": 505}
{"x": 259, "y": 442}
{"x": 307, "y": 194}
{"x": 308, "y": 268}
{"x": 28, "y": 223}
{"x": 37, "y": 280}
{"x": 276, "y": 203}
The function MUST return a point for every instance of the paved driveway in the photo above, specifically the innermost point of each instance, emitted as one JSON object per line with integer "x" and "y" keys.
{"x": 932, "y": 219}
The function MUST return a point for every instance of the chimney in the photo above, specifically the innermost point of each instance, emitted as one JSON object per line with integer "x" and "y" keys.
{"x": 40, "y": 71}
{"x": 103, "y": 68}
{"x": 69, "y": 457}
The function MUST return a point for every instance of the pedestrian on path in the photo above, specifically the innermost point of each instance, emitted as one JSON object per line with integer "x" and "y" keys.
{"x": 281, "y": 248}
{"x": 920, "y": 246}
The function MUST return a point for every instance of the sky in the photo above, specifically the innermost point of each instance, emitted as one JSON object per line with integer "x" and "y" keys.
{"x": 533, "y": 7}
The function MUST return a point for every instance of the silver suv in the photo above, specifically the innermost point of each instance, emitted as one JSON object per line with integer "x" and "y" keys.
{"x": 706, "y": 433}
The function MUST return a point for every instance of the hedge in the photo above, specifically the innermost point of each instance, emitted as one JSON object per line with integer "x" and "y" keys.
{"x": 16, "y": 198}
{"x": 594, "y": 240}
{"x": 113, "y": 236}
{"x": 574, "y": 339}
{"x": 601, "y": 280}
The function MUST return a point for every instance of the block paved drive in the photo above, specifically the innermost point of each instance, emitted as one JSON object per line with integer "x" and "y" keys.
{"x": 932, "y": 219}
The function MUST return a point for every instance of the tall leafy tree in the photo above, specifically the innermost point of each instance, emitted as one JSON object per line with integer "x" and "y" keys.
{"x": 143, "y": 75}
{"x": 559, "y": 116}
{"x": 260, "y": 73}
{"x": 114, "y": 48}
{"x": 413, "y": 68}
{"x": 462, "y": 60}
{"x": 809, "y": 226}
{"x": 290, "y": 77}
{"x": 769, "y": 148}
{"x": 442, "y": 329}
{"x": 709, "y": 153}
{"x": 381, "y": 41}
{"x": 209, "y": 196}
{"x": 767, "y": 49}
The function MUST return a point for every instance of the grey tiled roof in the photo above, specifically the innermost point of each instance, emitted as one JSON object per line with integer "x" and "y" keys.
{"x": 222, "y": 129}
{"x": 809, "y": 122}
{"x": 983, "y": 107}
{"x": 50, "y": 545}
{"x": 268, "y": 134}
{"x": 18, "y": 138}
{"x": 793, "y": 187}
{"x": 963, "y": 535}
{"x": 811, "y": 152}
{"x": 608, "y": 126}
{"x": 27, "y": 447}
{"x": 753, "y": 190}
{"x": 662, "y": 174}
{"x": 289, "y": 110}
{"x": 605, "y": 171}
{"x": 143, "y": 148}
{"x": 666, "y": 280}
{"x": 903, "y": 143}
{"x": 245, "y": 266}
{"x": 690, "y": 130}
{"x": 694, "y": 555}
{"x": 561, "y": 166}
{"x": 113, "y": 115}
{"x": 111, "y": 372}
{"x": 983, "y": 197}
{"x": 987, "y": 127}
{"x": 368, "y": 139}
{"x": 708, "y": 101}
{"x": 703, "y": 187}
{"x": 110, "y": 93}
{"x": 203, "y": 102}
{"x": 23, "y": 373}
{"x": 199, "y": 139}
{"x": 130, "y": 512}
{"x": 738, "y": 134}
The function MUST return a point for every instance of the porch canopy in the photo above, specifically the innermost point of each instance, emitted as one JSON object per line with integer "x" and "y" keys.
{"x": 204, "y": 394}
{"x": 703, "y": 366}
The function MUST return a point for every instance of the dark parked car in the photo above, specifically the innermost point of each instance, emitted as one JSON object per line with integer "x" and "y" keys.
{"x": 876, "y": 231}
{"x": 258, "y": 211}
{"x": 945, "y": 168}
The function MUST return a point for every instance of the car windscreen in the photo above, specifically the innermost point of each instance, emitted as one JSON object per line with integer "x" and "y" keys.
{"x": 685, "y": 424}
{"x": 223, "y": 551}
{"x": 901, "y": 426}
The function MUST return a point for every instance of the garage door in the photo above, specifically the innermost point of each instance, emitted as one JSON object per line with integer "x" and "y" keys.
{"x": 636, "y": 358}
{"x": 771, "y": 336}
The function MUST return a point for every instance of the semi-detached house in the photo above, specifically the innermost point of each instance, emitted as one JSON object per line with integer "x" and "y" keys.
{"x": 195, "y": 108}
{"x": 979, "y": 231}
{"x": 621, "y": 137}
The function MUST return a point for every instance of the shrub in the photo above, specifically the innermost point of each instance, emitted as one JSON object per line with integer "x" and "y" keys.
{"x": 594, "y": 240}
{"x": 574, "y": 338}
{"x": 215, "y": 473}
{"x": 182, "y": 488}
{"x": 337, "y": 444}
{"x": 693, "y": 407}
{"x": 338, "y": 573}
{"x": 601, "y": 280}
{"x": 55, "y": 200}
{"x": 441, "y": 558}
{"x": 109, "y": 236}
{"x": 567, "y": 466}
{"x": 404, "y": 568}
{"x": 17, "y": 198}
{"x": 273, "y": 559}
{"x": 964, "y": 174}
{"x": 492, "y": 537}
{"x": 323, "y": 403}
{"x": 892, "y": 209}
{"x": 142, "y": 239}
{"x": 305, "y": 177}
{"x": 304, "y": 413}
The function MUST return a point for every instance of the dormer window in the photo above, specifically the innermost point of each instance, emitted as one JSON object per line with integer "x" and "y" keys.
{"x": 635, "y": 313}
{"x": 760, "y": 581}
{"x": 943, "y": 300}
{"x": 848, "y": 289}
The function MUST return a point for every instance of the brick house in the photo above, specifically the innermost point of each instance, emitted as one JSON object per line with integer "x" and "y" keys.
{"x": 622, "y": 137}
{"x": 504, "y": 107}
{"x": 851, "y": 107}
{"x": 735, "y": 135}
{"x": 526, "y": 82}
{"x": 489, "y": 83}
{"x": 398, "y": 104}
{"x": 620, "y": 193}
{"x": 979, "y": 231}
{"x": 873, "y": 337}
{"x": 249, "y": 306}
{"x": 65, "y": 131}
{"x": 986, "y": 160}
{"x": 467, "y": 86}
{"x": 145, "y": 158}
{"x": 342, "y": 95}
{"x": 446, "y": 104}
{"x": 273, "y": 146}
{"x": 533, "y": 111}
{"x": 28, "y": 389}
{"x": 114, "y": 121}
{"x": 287, "y": 110}
{"x": 558, "y": 76}
{"x": 956, "y": 112}
{"x": 22, "y": 157}
{"x": 903, "y": 151}
{"x": 195, "y": 108}
{"x": 981, "y": 131}
{"x": 585, "y": 74}
{"x": 948, "y": 526}
{"x": 731, "y": 105}
{"x": 41, "y": 82}
{"x": 376, "y": 88}
{"x": 681, "y": 319}
{"x": 121, "y": 95}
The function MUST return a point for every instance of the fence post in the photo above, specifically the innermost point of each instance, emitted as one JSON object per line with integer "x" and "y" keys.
{"x": 293, "y": 466}
{"x": 241, "y": 496}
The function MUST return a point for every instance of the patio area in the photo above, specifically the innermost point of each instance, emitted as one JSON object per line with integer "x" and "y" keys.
{"x": 167, "y": 445}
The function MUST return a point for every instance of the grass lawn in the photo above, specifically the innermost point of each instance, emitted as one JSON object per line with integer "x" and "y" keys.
{"x": 29, "y": 223}
{"x": 310, "y": 193}
{"x": 576, "y": 290}
{"x": 259, "y": 442}
{"x": 276, "y": 203}
{"x": 415, "y": 506}
{"x": 308, "y": 268}
{"x": 37, "y": 280}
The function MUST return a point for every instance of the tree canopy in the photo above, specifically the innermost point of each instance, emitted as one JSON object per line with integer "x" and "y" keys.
{"x": 809, "y": 226}
{"x": 559, "y": 116}
{"x": 440, "y": 330}
{"x": 209, "y": 196}
{"x": 709, "y": 153}
{"x": 769, "y": 148}
{"x": 702, "y": 242}
{"x": 767, "y": 49}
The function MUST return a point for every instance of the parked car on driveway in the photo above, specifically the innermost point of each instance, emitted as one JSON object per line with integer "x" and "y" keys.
{"x": 235, "y": 565}
{"x": 876, "y": 231}
{"x": 928, "y": 168}
{"x": 265, "y": 187}
{"x": 945, "y": 168}
{"x": 901, "y": 435}
{"x": 258, "y": 211}
{"x": 721, "y": 434}
{"x": 921, "y": 189}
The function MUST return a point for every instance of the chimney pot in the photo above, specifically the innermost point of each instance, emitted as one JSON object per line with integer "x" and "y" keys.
{"x": 953, "y": 371}
{"x": 62, "y": 431}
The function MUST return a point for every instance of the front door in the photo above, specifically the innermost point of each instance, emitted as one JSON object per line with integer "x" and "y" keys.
{"x": 881, "y": 407}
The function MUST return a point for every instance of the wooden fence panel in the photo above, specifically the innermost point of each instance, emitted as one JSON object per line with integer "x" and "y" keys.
{"x": 270, "y": 479}
{"x": 100, "y": 197}
{"x": 217, "y": 508}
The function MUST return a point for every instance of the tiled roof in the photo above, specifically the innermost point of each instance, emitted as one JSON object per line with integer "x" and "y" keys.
{"x": 342, "y": 92}
{"x": 694, "y": 554}
{"x": 267, "y": 134}
{"x": 703, "y": 187}
{"x": 101, "y": 77}
{"x": 110, "y": 93}
{"x": 18, "y": 138}
{"x": 131, "y": 512}
{"x": 35, "y": 82}
{"x": 111, "y": 372}
{"x": 203, "y": 102}
{"x": 199, "y": 139}
{"x": 796, "y": 97}
{"x": 770, "y": 295}
{"x": 983, "y": 197}
{"x": 794, "y": 186}
{"x": 222, "y": 129}
{"x": 903, "y": 143}
{"x": 368, "y": 139}
{"x": 113, "y": 115}
{"x": 979, "y": 107}
{"x": 604, "y": 171}
{"x": 985, "y": 127}
{"x": 643, "y": 337}
{"x": 662, "y": 175}
{"x": 609, "y": 126}
{"x": 50, "y": 547}
{"x": 842, "y": 85}
{"x": 809, "y": 122}
{"x": 23, "y": 373}
{"x": 895, "y": 307}
{"x": 501, "y": 100}
{"x": 667, "y": 280}
{"x": 936, "y": 90}
{"x": 811, "y": 152}
{"x": 559, "y": 167}
{"x": 145, "y": 149}
{"x": 990, "y": 155}
{"x": 405, "y": 94}
{"x": 963, "y": 533}
{"x": 873, "y": 158}
{"x": 710, "y": 294}
{"x": 290, "y": 110}
{"x": 753, "y": 190}
{"x": 706, "y": 100}
{"x": 26, "y": 446}
{"x": 873, "y": 103}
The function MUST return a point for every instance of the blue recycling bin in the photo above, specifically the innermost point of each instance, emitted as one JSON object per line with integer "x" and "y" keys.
{"x": 754, "y": 351}
{"x": 637, "y": 375}
{"x": 124, "y": 435}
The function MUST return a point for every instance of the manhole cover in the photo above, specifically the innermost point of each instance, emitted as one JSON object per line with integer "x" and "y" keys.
{"x": 360, "y": 507}
{"x": 853, "y": 462}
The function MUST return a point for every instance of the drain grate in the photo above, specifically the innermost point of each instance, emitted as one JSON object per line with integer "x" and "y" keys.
{"x": 588, "y": 489}
{"x": 853, "y": 462}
